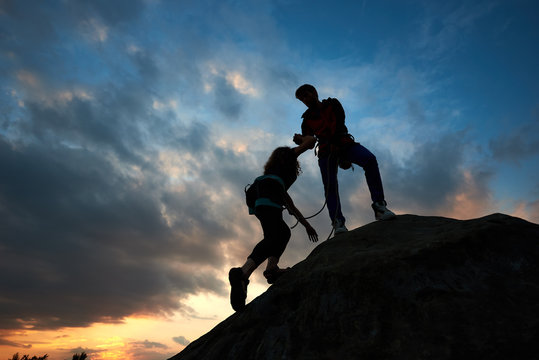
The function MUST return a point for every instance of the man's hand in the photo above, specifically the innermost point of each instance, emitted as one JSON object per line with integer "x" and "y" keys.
{"x": 304, "y": 143}
{"x": 309, "y": 141}
{"x": 311, "y": 232}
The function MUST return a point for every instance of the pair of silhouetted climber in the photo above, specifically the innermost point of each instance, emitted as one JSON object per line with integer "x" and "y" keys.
{"x": 323, "y": 126}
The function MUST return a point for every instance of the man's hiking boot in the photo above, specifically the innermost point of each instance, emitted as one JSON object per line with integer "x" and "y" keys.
{"x": 338, "y": 226}
{"x": 381, "y": 212}
{"x": 238, "y": 291}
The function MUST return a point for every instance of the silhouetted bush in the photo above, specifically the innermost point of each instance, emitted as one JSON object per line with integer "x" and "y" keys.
{"x": 82, "y": 356}
{"x": 27, "y": 357}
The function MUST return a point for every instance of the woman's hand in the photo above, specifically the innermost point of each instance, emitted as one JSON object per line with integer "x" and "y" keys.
{"x": 311, "y": 232}
{"x": 304, "y": 143}
{"x": 298, "y": 139}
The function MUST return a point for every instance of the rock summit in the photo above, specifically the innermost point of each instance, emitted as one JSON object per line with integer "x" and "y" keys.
{"x": 416, "y": 287}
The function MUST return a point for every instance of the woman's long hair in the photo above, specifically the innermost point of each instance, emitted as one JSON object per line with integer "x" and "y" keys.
{"x": 283, "y": 160}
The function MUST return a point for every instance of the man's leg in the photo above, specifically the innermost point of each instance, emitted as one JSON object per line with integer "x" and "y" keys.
{"x": 328, "y": 170}
{"x": 360, "y": 155}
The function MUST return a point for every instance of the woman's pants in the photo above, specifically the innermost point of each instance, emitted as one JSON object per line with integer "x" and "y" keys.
{"x": 276, "y": 234}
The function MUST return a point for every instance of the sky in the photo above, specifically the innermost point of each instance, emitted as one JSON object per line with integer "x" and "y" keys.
{"x": 129, "y": 129}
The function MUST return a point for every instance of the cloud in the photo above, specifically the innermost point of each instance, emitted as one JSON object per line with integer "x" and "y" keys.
{"x": 435, "y": 176}
{"x": 520, "y": 143}
{"x": 534, "y": 211}
{"x": 94, "y": 30}
{"x": 473, "y": 197}
{"x": 106, "y": 189}
{"x": 429, "y": 175}
{"x": 181, "y": 340}
{"x": 527, "y": 210}
{"x": 76, "y": 225}
{"x": 148, "y": 344}
{"x": 103, "y": 190}
{"x": 444, "y": 26}
{"x": 101, "y": 187}
{"x": 5, "y": 342}
{"x": 227, "y": 99}
{"x": 113, "y": 13}
{"x": 127, "y": 137}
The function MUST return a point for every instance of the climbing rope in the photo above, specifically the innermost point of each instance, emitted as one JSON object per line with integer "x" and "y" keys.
{"x": 326, "y": 198}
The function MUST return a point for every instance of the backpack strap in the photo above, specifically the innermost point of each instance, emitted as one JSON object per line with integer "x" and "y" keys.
{"x": 274, "y": 177}
{"x": 264, "y": 201}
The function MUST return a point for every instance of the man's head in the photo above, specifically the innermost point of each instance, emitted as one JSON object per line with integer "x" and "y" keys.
{"x": 308, "y": 95}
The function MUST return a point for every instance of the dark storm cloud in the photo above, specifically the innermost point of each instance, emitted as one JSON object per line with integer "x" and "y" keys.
{"x": 430, "y": 176}
{"x": 83, "y": 243}
{"x": 91, "y": 227}
{"x": 85, "y": 125}
{"x": 4, "y": 342}
{"x": 145, "y": 65}
{"x": 31, "y": 30}
{"x": 84, "y": 237}
{"x": 227, "y": 99}
{"x": 22, "y": 27}
{"x": 518, "y": 144}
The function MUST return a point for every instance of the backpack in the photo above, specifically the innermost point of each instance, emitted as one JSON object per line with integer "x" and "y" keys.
{"x": 332, "y": 134}
{"x": 255, "y": 196}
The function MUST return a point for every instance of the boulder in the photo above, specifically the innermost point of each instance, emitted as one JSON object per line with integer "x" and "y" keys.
{"x": 416, "y": 287}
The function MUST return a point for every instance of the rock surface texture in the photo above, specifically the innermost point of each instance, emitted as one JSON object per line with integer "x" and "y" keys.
{"x": 412, "y": 288}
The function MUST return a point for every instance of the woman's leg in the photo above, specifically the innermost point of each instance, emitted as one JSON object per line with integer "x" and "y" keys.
{"x": 276, "y": 236}
{"x": 248, "y": 268}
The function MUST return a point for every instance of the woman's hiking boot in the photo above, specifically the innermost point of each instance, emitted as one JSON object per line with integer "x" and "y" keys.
{"x": 238, "y": 288}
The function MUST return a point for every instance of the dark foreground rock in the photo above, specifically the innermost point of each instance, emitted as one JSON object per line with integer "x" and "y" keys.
{"x": 412, "y": 288}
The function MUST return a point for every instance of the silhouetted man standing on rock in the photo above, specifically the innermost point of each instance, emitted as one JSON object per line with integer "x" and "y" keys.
{"x": 324, "y": 120}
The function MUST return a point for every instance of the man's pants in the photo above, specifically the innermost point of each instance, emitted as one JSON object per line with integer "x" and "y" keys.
{"x": 360, "y": 156}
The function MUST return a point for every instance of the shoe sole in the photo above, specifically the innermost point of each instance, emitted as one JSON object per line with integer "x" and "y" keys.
{"x": 237, "y": 292}
{"x": 385, "y": 217}
{"x": 272, "y": 277}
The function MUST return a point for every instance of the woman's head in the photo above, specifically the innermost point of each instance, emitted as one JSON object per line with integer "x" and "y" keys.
{"x": 283, "y": 160}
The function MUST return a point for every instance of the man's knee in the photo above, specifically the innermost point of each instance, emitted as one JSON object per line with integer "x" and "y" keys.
{"x": 371, "y": 162}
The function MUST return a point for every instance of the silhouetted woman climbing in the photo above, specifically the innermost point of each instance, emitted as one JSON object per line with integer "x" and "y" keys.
{"x": 266, "y": 198}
